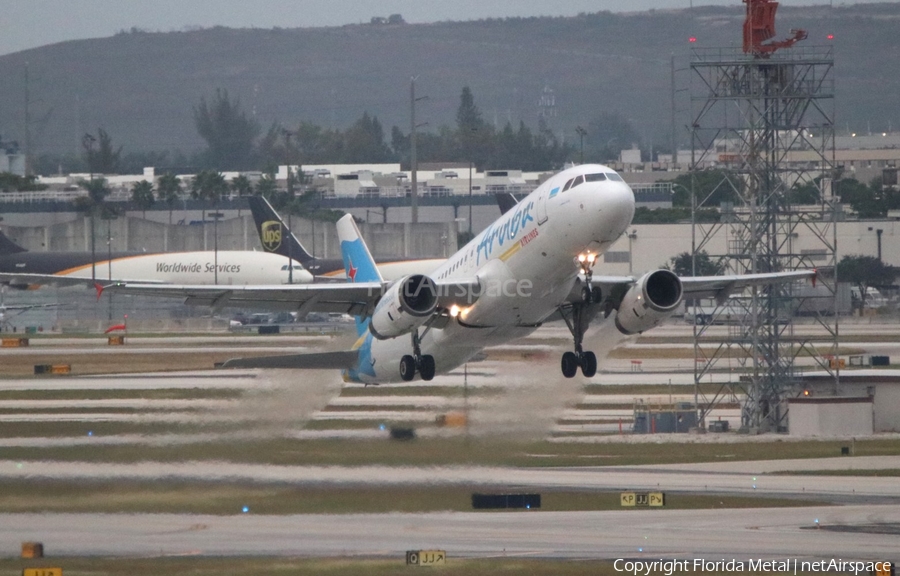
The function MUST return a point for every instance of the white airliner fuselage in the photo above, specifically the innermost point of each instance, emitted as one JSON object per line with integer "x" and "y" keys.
{"x": 526, "y": 264}
{"x": 235, "y": 267}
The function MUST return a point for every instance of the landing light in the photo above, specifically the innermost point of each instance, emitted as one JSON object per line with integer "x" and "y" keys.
{"x": 454, "y": 311}
{"x": 591, "y": 258}
{"x": 582, "y": 258}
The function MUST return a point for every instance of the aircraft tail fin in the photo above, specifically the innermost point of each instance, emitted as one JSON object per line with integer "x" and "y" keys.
{"x": 8, "y": 247}
{"x": 506, "y": 201}
{"x": 274, "y": 235}
{"x": 358, "y": 262}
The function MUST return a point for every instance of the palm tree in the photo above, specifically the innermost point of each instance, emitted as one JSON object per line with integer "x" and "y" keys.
{"x": 142, "y": 195}
{"x": 169, "y": 191}
{"x": 241, "y": 186}
{"x": 208, "y": 186}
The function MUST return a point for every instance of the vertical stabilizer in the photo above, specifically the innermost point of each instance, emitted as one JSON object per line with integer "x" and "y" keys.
{"x": 358, "y": 262}
{"x": 8, "y": 247}
{"x": 274, "y": 235}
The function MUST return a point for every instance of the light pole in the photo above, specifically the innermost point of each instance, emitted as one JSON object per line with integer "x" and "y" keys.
{"x": 414, "y": 164}
{"x": 674, "y": 142}
{"x": 216, "y": 215}
{"x": 470, "y": 202}
{"x": 581, "y": 134}
{"x": 109, "y": 304}
{"x": 87, "y": 141}
{"x": 290, "y": 189}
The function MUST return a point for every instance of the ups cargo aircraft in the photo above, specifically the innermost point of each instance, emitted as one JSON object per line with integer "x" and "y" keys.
{"x": 20, "y": 268}
{"x": 277, "y": 238}
{"x": 535, "y": 264}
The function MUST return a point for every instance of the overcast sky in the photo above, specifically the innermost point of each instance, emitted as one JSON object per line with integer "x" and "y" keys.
{"x": 29, "y": 23}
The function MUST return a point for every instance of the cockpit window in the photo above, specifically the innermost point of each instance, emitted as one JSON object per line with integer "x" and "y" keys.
{"x": 614, "y": 177}
{"x": 568, "y": 185}
{"x": 599, "y": 177}
{"x": 579, "y": 180}
{"x": 296, "y": 267}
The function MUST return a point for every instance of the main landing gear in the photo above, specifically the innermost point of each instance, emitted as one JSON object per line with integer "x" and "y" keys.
{"x": 410, "y": 363}
{"x": 582, "y": 314}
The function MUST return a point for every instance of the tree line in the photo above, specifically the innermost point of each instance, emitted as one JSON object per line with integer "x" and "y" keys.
{"x": 235, "y": 141}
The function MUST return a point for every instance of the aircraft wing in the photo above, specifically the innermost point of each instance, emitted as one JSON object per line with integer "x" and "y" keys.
{"x": 25, "y": 280}
{"x": 356, "y": 299}
{"x": 312, "y": 361}
{"x": 26, "y": 307}
{"x": 719, "y": 287}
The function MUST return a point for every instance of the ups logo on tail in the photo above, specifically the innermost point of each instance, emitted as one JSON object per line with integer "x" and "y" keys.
{"x": 270, "y": 235}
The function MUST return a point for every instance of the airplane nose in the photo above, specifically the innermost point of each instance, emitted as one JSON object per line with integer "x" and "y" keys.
{"x": 619, "y": 203}
{"x": 616, "y": 207}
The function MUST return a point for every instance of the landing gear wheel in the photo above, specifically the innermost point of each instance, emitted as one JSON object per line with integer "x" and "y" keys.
{"x": 407, "y": 368}
{"x": 426, "y": 367}
{"x": 588, "y": 364}
{"x": 569, "y": 364}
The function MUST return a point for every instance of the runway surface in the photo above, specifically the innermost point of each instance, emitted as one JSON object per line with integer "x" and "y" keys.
{"x": 519, "y": 391}
{"x": 651, "y": 534}
{"x": 710, "y": 478}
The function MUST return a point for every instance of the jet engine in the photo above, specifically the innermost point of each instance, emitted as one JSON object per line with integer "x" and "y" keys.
{"x": 651, "y": 300}
{"x": 406, "y": 305}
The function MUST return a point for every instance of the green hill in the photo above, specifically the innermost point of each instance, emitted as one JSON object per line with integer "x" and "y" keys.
{"x": 141, "y": 86}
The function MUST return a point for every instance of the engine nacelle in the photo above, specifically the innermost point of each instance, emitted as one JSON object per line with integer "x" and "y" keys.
{"x": 651, "y": 300}
{"x": 406, "y": 305}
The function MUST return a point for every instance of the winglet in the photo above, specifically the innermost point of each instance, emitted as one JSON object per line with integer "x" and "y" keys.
{"x": 99, "y": 288}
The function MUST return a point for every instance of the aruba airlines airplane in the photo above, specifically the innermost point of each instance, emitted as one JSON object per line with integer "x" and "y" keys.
{"x": 533, "y": 265}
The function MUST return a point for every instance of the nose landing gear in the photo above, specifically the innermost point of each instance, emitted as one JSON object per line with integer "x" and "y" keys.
{"x": 581, "y": 315}
{"x": 423, "y": 363}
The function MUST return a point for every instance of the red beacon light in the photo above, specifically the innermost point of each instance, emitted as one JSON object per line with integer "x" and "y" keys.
{"x": 692, "y": 39}
{"x": 830, "y": 36}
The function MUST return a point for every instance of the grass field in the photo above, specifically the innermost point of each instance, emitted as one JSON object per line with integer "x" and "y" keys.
{"x": 216, "y": 498}
{"x": 446, "y": 451}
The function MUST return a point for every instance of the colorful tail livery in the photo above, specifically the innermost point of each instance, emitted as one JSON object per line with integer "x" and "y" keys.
{"x": 358, "y": 262}
{"x": 274, "y": 235}
{"x": 360, "y": 267}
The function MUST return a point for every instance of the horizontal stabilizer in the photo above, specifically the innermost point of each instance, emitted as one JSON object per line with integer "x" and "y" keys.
{"x": 313, "y": 361}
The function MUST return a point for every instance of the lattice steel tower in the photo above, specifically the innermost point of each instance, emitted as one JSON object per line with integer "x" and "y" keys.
{"x": 763, "y": 129}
